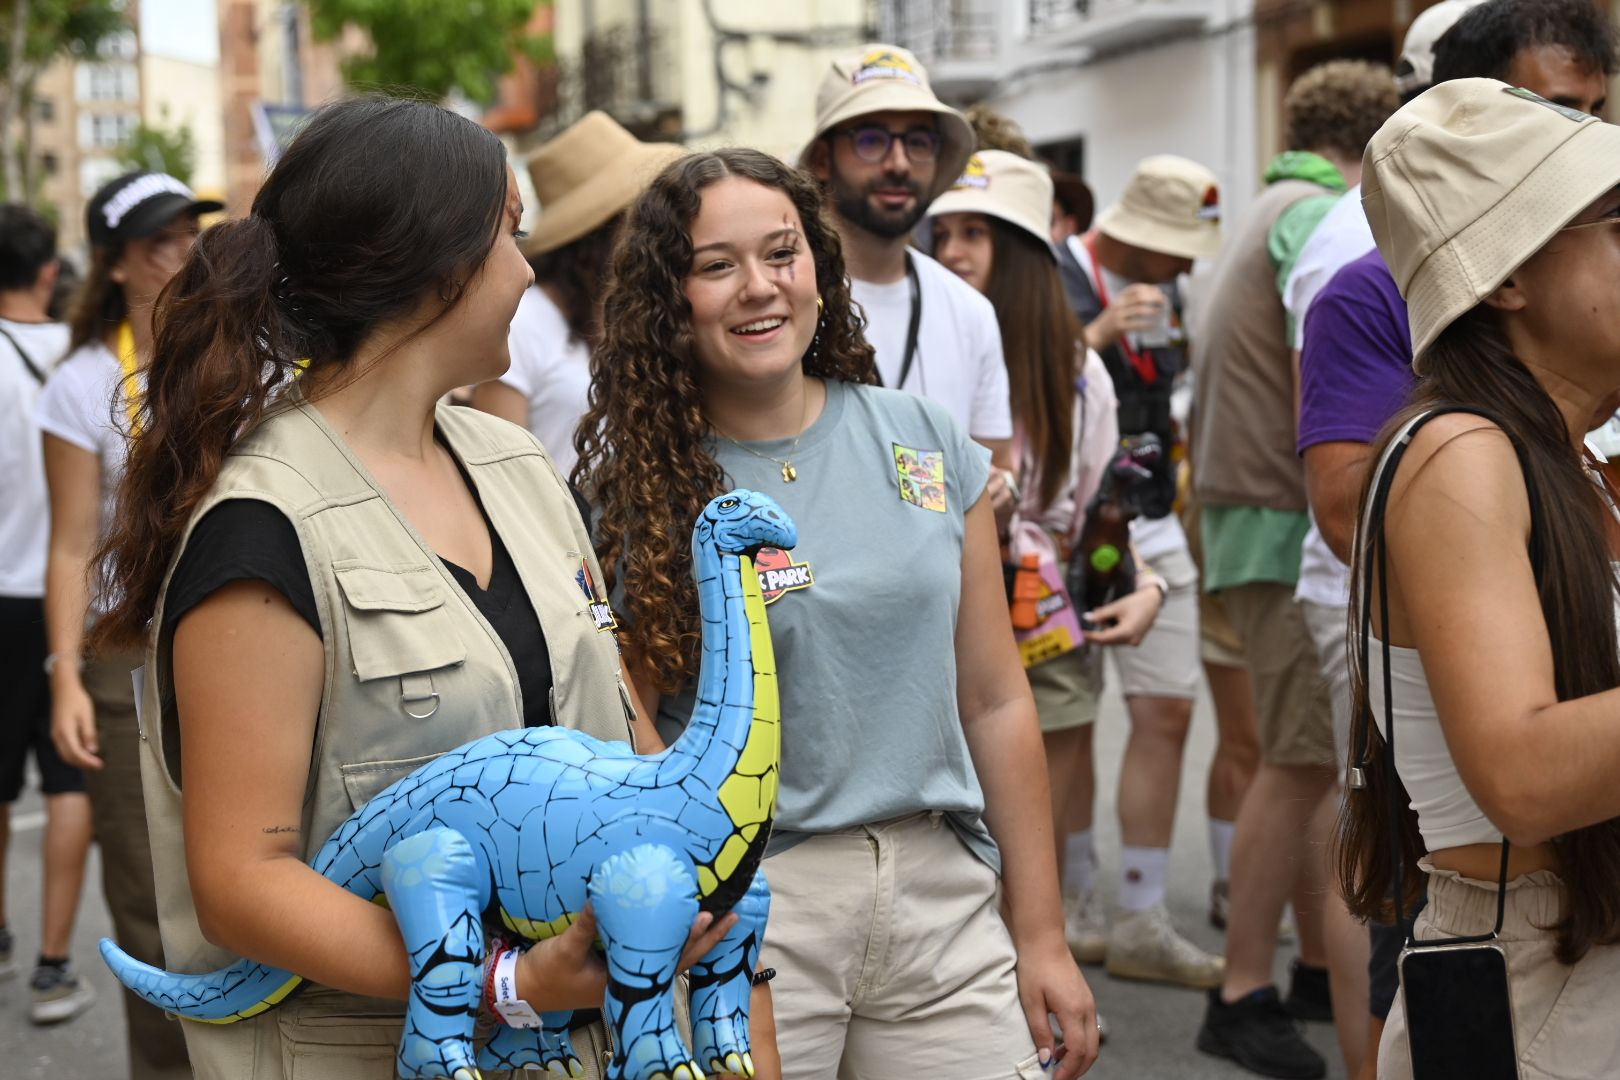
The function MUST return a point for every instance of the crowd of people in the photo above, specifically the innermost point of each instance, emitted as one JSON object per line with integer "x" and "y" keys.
{"x": 339, "y": 482}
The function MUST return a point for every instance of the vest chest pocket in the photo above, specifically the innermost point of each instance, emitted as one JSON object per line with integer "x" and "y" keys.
{"x": 398, "y": 624}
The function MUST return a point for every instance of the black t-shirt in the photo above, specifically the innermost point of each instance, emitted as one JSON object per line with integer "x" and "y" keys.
{"x": 251, "y": 540}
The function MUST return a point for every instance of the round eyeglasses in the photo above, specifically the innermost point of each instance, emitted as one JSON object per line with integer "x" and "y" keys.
{"x": 872, "y": 143}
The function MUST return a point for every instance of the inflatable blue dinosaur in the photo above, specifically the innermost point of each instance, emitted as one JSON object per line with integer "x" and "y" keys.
{"x": 516, "y": 831}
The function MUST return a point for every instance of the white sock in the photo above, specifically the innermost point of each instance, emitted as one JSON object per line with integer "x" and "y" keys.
{"x": 1142, "y": 877}
{"x": 1079, "y": 863}
{"x": 1220, "y": 847}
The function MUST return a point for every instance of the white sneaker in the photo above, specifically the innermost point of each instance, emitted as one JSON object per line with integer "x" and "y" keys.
{"x": 58, "y": 994}
{"x": 1085, "y": 927}
{"x": 1143, "y": 945}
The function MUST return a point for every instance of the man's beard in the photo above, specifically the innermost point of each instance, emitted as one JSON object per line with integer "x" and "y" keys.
{"x": 855, "y": 206}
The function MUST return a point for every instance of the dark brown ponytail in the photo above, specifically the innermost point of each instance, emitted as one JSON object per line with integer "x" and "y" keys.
{"x": 377, "y": 203}
{"x": 1472, "y": 364}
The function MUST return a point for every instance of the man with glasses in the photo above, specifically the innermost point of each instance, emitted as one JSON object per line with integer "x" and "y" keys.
{"x": 884, "y": 148}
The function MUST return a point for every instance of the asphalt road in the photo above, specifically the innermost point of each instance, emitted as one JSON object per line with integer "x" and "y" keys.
{"x": 1152, "y": 1028}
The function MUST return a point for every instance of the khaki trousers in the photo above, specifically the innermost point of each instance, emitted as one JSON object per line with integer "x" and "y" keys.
{"x": 892, "y": 960}
{"x": 157, "y": 1048}
{"x": 1563, "y": 1017}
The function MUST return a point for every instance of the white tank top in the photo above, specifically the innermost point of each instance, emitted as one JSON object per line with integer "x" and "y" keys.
{"x": 1447, "y": 814}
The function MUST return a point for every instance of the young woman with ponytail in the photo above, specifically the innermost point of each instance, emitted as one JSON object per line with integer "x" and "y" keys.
{"x": 1486, "y": 568}
{"x": 335, "y": 577}
{"x": 141, "y": 226}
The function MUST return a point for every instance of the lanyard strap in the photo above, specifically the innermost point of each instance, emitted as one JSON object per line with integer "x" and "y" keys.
{"x": 132, "y": 377}
{"x": 1375, "y": 556}
{"x": 1146, "y": 369}
{"x": 22, "y": 354}
{"x": 911, "y": 327}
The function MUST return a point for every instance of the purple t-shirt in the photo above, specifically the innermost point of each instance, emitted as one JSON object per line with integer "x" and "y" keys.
{"x": 1356, "y": 364}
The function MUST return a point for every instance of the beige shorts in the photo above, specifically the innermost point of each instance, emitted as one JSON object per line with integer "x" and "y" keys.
{"x": 1291, "y": 697}
{"x": 1166, "y": 663}
{"x": 1067, "y": 688}
{"x": 892, "y": 960}
{"x": 1330, "y": 627}
{"x": 1218, "y": 640}
{"x": 1563, "y": 1017}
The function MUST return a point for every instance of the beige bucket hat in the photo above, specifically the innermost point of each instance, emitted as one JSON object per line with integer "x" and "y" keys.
{"x": 887, "y": 78}
{"x": 1171, "y": 205}
{"x": 1467, "y": 181}
{"x": 1005, "y": 186}
{"x": 587, "y": 174}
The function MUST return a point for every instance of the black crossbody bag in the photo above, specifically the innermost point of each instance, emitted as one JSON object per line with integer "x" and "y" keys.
{"x": 1459, "y": 1006}
{"x": 33, "y": 369}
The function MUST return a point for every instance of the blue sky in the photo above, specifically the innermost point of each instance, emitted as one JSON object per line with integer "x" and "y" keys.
{"x": 184, "y": 29}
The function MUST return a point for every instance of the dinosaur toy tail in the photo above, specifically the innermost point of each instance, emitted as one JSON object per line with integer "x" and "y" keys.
{"x": 244, "y": 989}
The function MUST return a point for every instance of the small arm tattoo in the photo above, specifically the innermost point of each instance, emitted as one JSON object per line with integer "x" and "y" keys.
{"x": 271, "y": 830}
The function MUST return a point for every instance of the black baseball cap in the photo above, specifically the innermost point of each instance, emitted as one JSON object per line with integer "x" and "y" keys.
{"x": 138, "y": 204}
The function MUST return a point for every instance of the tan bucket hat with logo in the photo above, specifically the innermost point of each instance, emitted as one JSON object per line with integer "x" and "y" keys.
{"x": 887, "y": 78}
{"x": 1006, "y": 186}
{"x": 1467, "y": 181}
{"x": 587, "y": 174}
{"x": 1171, "y": 205}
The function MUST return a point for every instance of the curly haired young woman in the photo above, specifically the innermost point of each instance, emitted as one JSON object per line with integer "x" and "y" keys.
{"x": 913, "y": 798}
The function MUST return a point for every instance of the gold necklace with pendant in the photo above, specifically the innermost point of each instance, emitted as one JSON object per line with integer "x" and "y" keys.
{"x": 789, "y": 473}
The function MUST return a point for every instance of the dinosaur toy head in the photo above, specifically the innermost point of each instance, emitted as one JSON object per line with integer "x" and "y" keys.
{"x": 741, "y": 522}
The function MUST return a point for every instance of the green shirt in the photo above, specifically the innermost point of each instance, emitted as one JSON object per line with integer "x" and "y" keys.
{"x": 1246, "y": 544}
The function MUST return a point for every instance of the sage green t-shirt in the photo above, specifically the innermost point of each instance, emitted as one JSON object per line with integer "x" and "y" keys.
{"x": 863, "y": 614}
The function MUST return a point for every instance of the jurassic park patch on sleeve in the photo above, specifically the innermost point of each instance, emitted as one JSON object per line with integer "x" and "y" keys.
{"x": 779, "y": 574}
{"x": 921, "y": 475}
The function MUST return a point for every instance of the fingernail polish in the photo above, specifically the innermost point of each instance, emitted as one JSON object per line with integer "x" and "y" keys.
{"x": 1046, "y": 1057}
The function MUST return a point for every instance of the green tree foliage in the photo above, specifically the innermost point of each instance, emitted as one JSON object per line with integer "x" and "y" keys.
{"x": 37, "y": 32}
{"x": 434, "y": 46}
{"x": 161, "y": 149}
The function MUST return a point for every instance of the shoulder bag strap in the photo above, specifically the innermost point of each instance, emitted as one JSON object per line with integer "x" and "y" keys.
{"x": 1374, "y": 557}
{"x": 39, "y": 376}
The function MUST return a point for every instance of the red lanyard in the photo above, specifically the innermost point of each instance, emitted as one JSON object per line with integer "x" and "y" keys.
{"x": 1146, "y": 369}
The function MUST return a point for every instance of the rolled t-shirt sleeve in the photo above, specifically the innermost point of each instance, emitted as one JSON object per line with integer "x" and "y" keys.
{"x": 1356, "y": 366}
{"x": 77, "y": 406}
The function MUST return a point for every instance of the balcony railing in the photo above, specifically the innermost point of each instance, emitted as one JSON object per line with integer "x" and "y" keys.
{"x": 1103, "y": 24}
{"x": 944, "y": 31}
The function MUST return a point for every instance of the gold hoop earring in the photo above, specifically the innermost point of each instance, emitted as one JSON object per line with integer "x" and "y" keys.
{"x": 821, "y": 305}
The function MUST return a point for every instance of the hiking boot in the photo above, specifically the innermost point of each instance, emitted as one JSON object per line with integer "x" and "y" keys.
{"x": 1220, "y": 909}
{"x": 1143, "y": 945}
{"x": 8, "y": 965}
{"x": 1085, "y": 928}
{"x": 58, "y": 994}
{"x": 1308, "y": 995}
{"x": 1257, "y": 1033}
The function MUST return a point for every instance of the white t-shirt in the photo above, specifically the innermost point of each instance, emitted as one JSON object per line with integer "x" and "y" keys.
{"x": 25, "y": 514}
{"x": 84, "y": 405}
{"x": 958, "y": 361}
{"x": 552, "y": 370}
{"x": 1341, "y": 237}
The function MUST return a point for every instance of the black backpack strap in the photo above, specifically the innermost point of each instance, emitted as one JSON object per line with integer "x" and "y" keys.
{"x": 39, "y": 376}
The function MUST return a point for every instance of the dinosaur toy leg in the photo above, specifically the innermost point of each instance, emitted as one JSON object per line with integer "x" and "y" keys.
{"x": 645, "y": 900}
{"x": 723, "y": 984}
{"x": 547, "y": 1049}
{"x": 433, "y": 887}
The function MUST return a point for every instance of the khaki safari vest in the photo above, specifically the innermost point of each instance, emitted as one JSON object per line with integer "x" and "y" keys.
{"x": 412, "y": 671}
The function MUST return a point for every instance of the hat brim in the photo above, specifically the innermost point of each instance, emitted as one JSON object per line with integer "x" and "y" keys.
{"x": 957, "y": 141}
{"x": 157, "y": 212}
{"x": 590, "y": 206}
{"x": 1076, "y": 194}
{"x": 1140, "y": 230}
{"x": 960, "y": 201}
{"x": 1449, "y": 283}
